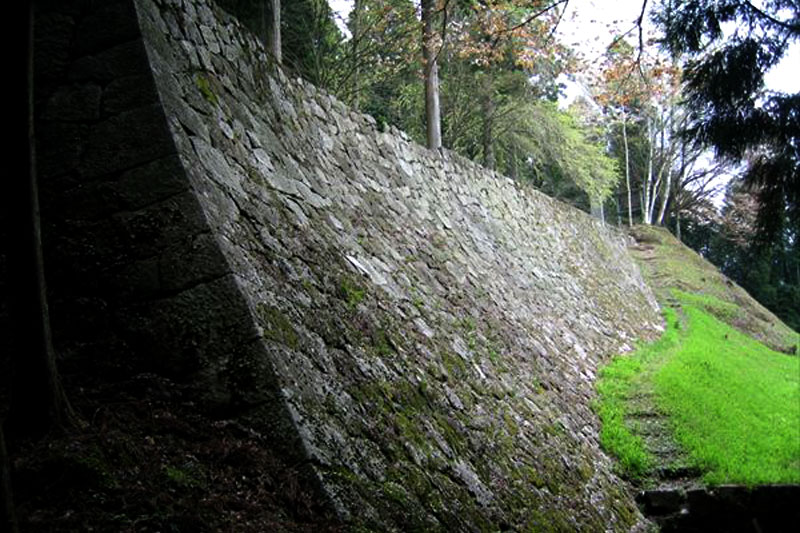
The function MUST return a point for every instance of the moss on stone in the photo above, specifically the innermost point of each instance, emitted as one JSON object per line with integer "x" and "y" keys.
{"x": 205, "y": 89}
{"x": 184, "y": 477}
{"x": 351, "y": 292}
{"x": 256, "y": 177}
{"x": 277, "y": 327}
{"x": 455, "y": 365}
{"x": 382, "y": 343}
{"x": 395, "y": 492}
{"x": 450, "y": 432}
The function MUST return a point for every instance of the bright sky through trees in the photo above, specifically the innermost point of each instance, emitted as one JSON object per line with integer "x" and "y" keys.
{"x": 591, "y": 25}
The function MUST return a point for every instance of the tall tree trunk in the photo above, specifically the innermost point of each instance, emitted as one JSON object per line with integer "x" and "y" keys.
{"x": 666, "y": 164}
{"x": 627, "y": 166}
{"x": 647, "y": 214}
{"x": 355, "y": 38}
{"x": 37, "y": 400}
{"x": 274, "y": 31}
{"x": 677, "y": 194}
{"x": 488, "y": 123}
{"x": 431, "y": 72}
{"x": 665, "y": 200}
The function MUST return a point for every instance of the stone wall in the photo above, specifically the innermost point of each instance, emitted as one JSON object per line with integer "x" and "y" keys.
{"x": 421, "y": 333}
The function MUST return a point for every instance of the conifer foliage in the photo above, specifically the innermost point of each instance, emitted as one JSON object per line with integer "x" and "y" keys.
{"x": 731, "y": 45}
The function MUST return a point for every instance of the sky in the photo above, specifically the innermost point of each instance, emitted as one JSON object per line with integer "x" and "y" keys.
{"x": 586, "y": 26}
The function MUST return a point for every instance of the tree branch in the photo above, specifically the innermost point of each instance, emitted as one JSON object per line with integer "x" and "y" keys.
{"x": 640, "y": 24}
{"x": 527, "y": 21}
{"x": 778, "y": 22}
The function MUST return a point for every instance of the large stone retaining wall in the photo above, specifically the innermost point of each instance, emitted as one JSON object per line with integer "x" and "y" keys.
{"x": 421, "y": 333}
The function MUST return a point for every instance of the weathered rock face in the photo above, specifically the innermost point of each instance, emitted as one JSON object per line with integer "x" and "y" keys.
{"x": 423, "y": 332}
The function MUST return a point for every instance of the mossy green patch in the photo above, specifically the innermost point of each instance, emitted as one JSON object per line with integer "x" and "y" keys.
{"x": 395, "y": 492}
{"x": 352, "y": 293}
{"x": 277, "y": 327}
{"x": 455, "y": 365}
{"x": 382, "y": 343}
{"x": 184, "y": 477}
{"x": 205, "y": 89}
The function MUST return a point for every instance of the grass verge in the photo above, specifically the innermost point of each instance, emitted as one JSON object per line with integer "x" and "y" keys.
{"x": 733, "y": 403}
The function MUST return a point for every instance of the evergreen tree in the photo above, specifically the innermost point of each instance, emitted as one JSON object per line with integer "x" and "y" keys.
{"x": 724, "y": 87}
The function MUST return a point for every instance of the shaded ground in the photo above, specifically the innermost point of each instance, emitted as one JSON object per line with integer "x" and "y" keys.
{"x": 148, "y": 460}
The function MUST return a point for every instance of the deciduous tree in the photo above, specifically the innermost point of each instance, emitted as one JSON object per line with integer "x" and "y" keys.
{"x": 431, "y": 45}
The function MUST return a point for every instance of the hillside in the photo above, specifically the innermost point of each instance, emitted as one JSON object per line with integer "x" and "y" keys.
{"x": 668, "y": 265}
{"x": 716, "y": 399}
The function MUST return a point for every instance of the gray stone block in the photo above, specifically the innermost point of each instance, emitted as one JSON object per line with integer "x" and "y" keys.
{"x": 74, "y": 103}
{"x": 122, "y": 60}
{"x": 125, "y": 141}
{"x": 127, "y": 93}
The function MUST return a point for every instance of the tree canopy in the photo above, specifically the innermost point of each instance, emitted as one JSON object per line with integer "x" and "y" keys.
{"x": 731, "y": 44}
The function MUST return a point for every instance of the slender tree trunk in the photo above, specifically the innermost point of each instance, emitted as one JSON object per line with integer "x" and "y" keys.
{"x": 274, "y": 33}
{"x": 647, "y": 215}
{"x": 642, "y": 200}
{"x": 627, "y": 166}
{"x": 355, "y": 38}
{"x": 676, "y": 195}
{"x": 665, "y": 200}
{"x": 431, "y": 71}
{"x": 666, "y": 165}
{"x": 488, "y": 123}
{"x": 656, "y": 190}
{"x": 37, "y": 400}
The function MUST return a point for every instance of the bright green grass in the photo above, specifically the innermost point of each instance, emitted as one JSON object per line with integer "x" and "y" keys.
{"x": 715, "y": 306}
{"x": 735, "y": 404}
{"x": 618, "y": 382}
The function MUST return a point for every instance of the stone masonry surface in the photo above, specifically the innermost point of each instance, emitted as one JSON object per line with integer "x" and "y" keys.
{"x": 422, "y": 333}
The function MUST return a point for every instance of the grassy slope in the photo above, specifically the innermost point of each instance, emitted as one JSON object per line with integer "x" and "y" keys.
{"x": 668, "y": 265}
{"x": 735, "y": 402}
{"x": 731, "y": 403}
